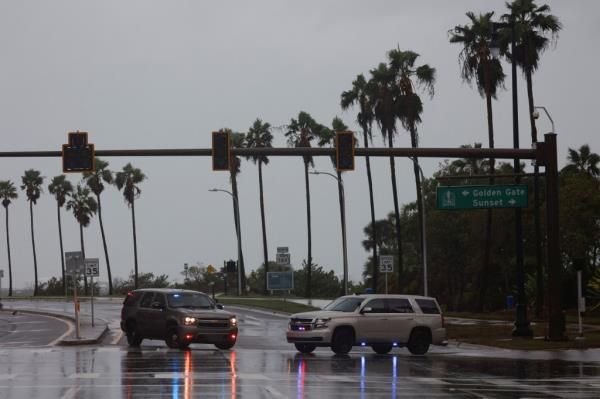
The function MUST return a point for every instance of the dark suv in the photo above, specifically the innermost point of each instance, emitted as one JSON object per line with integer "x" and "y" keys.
{"x": 180, "y": 317}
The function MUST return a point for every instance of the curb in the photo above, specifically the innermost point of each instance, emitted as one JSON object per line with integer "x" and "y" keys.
{"x": 67, "y": 341}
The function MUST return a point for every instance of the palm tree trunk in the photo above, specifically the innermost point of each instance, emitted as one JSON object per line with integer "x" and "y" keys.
{"x": 62, "y": 256}
{"x": 262, "y": 219}
{"x": 8, "y": 253}
{"x": 415, "y": 143}
{"x": 396, "y": 216}
{"x": 309, "y": 260}
{"x": 539, "y": 270}
{"x": 483, "y": 277}
{"x": 236, "y": 214}
{"x": 370, "y": 180}
{"x": 85, "y": 284}
{"x": 135, "y": 257}
{"x": 35, "y": 289}
{"x": 110, "y": 288}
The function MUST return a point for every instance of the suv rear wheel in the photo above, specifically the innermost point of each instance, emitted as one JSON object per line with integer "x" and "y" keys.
{"x": 382, "y": 349}
{"x": 305, "y": 348}
{"x": 419, "y": 341}
{"x": 133, "y": 336}
{"x": 342, "y": 342}
{"x": 173, "y": 339}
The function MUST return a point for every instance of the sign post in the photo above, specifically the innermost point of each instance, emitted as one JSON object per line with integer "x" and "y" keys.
{"x": 74, "y": 266}
{"x": 386, "y": 265}
{"x": 1, "y": 276}
{"x": 92, "y": 270}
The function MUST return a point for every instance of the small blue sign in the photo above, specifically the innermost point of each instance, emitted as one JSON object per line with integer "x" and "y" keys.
{"x": 280, "y": 280}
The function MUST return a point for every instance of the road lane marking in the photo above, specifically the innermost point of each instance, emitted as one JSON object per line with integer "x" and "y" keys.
{"x": 7, "y": 376}
{"x": 84, "y": 375}
{"x": 71, "y": 393}
{"x": 117, "y": 338}
{"x": 275, "y": 393}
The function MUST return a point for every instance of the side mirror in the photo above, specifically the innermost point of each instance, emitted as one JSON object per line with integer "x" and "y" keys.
{"x": 157, "y": 305}
{"x": 366, "y": 309}
{"x": 219, "y": 306}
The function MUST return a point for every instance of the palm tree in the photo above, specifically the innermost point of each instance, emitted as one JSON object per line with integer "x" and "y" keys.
{"x": 300, "y": 133}
{"x": 237, "y": 141}
{"x": 385, "y": 91}
{"x": 8, "y": 192}
{"x": 32, "y": 184}
{"x": 83, "y": 207}
{"x": 60, "y": 187}
{"x": 95, "y": 181}
{"x": 409, "y": 108}
{"x": 478, "y": 65}
{"x": 360, "y": 95}
{"x": 583, "y": 161}
{"x": 128, "y": 180}
{"x": 259, "y": 136}
{"x": 532, "y": 26}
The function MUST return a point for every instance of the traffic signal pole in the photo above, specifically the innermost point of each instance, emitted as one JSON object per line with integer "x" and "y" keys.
{"x": 544, "y": 154}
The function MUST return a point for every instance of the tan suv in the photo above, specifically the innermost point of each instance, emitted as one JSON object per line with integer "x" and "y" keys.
{"x": 379, "y": 321}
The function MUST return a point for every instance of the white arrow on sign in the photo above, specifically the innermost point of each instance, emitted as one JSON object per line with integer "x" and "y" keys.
{"x": 465, "y": 193}
{"x": 512, "y": 201}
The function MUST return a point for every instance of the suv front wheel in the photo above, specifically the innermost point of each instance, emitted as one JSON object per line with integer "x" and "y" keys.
{"x": 382, "y": 349}
{"x": 173, "y": 340}
{"x": 343, "y": 341}
{"x": 419, "y": 341}
{"x": 305, "y": 348}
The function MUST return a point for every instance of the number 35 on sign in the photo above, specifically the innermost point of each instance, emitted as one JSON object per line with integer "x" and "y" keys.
{"x": 91, "y": 267}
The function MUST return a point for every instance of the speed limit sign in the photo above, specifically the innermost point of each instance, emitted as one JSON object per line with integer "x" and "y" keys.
{"x": 92, "y": 268}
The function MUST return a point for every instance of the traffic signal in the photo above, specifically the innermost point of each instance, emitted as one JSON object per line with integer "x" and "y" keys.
{"x": 230, "y": 266}
{"x": 221, "y": 153}
{"x": 344, "y": 151}
{"x": 78, "y": 155}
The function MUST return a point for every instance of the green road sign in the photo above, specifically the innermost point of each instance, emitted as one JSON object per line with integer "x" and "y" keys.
{"x": 482, "y": 197}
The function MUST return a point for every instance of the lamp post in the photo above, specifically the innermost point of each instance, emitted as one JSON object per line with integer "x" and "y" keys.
{"x": 423, "y": 231}
{"x": 343, "y": 221}
{"x": 237, "y": 232}
{"x": 522, "y": 328}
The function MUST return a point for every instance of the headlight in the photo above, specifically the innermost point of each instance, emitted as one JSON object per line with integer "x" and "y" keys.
{"x": 188, "y": 321}
{"x": 321, "y": 323}
{"x": 233, "y": 321}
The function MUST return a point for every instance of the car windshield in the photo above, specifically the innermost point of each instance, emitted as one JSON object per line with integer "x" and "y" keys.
{"x": 344, "y": 304}
{"x": 189, "y": 300}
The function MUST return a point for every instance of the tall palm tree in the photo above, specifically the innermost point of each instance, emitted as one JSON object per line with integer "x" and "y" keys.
{"x": 300, "y": 133}
{"x": 385, "y": 91}
{"x": 533, "y": 25}
{"x": 477, "y": 65}
{"x": 237, "y": 141}
{"x": 128, "y": 180}
{"x": 360, "y": 95}
{"x": 583, "y": 161}
{"x": 8, "y": 192}
{"x": 84, "y": 207}
{"x": 259, "y": 136}
{"x": 409, "y": 109}
{"x": 95, "y": 181}
{"x": 32, "y": 184}
{"x": 60, "y": 187}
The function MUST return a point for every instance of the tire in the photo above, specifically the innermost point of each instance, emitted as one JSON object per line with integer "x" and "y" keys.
{"x": 343, "y": 341}
{"x": 133, "y": 337}
{"x": 382, "y": 349}
{"x": 225, "y": 345}
{"x": 173, "y": 340}
{"x": 305, "y": 348}
{"x": 419, "y": 341}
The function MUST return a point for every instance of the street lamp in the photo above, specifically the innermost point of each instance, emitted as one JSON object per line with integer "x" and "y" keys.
{"x": 343, "y": 220}
{"x": 423, "y": 231}
{"x": 522, "y": 328}
{"x": 237, "y": 232}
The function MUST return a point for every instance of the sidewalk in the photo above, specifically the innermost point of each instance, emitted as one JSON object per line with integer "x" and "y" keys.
{"x": 88, "y": 334}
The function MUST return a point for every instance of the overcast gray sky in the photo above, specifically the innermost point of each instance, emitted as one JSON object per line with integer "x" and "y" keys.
{"x": 164, "y": 74}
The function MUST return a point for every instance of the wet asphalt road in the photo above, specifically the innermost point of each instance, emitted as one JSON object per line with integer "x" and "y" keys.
{"x": 263, "y": 365}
